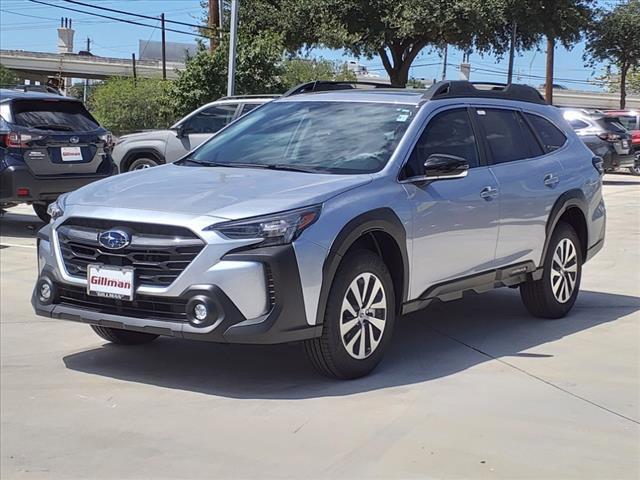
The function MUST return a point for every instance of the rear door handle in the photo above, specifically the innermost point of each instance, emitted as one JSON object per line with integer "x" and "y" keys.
{"x": 551, "y": 180}
{"x": 488, "y": 193}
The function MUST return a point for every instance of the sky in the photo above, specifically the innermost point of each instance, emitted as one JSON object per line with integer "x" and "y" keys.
{"x": 25, "y": 25}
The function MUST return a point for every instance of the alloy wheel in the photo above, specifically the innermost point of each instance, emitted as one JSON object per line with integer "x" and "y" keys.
{"x": 564, "y": 270}
{"x": 363, "y": 316}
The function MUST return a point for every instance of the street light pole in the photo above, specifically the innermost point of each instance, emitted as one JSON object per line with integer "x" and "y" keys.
{"x": 231, "y": 80}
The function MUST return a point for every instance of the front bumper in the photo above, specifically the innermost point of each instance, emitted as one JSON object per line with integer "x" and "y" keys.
{"x": 283, "y": 321}
{"x": 41, "y": 189}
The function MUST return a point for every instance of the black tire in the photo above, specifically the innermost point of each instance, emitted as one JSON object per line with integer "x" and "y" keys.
{"x": 635, "y": 170}
{"x": 123, "y": 337}
{"x": 41, "y": 211}
{"x": 328, "y": 353}
{"x": 142, "y": 163}
{"x": 538, "y": 296}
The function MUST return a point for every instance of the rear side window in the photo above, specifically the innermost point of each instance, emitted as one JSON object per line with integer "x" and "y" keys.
{"x": 59, "y": 115}
{"x": 507, "y": 137}
{"x": 247, "y": 107}
{"x": 552, "y": 138}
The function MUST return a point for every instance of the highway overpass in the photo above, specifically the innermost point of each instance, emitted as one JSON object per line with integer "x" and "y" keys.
{"x": 70, "y": 65}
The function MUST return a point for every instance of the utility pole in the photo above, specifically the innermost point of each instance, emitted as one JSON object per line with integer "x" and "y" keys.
{"x": 164, "y": 49}
{"x": 551, "y": 46}
{"x": 444, "y": 62}
{"x": 231, "y": 80}
{"x": 214, "y": 21}
{"x": 86, "y": 80}
{"x": 133, "y": 63}
{"x": 512, "y": 51}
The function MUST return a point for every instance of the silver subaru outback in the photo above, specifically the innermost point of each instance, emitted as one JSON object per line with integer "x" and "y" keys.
{"x": 321, "y": 218}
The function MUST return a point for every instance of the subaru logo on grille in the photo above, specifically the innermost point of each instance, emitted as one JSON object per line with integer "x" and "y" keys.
{"x": 74, "y": 139}
{"x": 114, "y": 239}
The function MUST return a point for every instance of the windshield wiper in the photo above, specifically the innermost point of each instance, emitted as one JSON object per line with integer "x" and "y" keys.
{"x": 266, "y": 166}
{"x": 292, "y": 168}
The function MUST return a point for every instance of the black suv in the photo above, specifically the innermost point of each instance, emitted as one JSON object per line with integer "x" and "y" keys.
{"x": 49, "y": 145}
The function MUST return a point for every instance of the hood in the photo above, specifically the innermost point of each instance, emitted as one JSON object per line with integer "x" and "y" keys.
{"x": 144, "y": 135}
{"x": 222, "y": 192}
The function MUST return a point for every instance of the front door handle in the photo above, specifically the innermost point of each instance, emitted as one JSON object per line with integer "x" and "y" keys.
{"x": 488, "y": 193}
{"x": 550, "y": 180}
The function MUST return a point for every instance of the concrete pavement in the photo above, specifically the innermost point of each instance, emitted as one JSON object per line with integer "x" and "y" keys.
{"x": 470, "y": 389}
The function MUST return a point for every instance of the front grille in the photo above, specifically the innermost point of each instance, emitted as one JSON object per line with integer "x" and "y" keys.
{"x": 158, "y": 253}
{"x": 144, "y": 306}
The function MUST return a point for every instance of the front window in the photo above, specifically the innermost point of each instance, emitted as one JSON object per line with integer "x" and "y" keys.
{"x": 313, "y": 136}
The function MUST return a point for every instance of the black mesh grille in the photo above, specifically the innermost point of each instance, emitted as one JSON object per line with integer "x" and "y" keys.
{"x": 158, "y": 253}
{"x": 144, "y": 306}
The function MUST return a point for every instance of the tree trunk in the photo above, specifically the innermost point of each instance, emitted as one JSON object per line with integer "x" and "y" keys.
{"x": 403, "y": 56}
{"x": 551, "y": 46}
{"x": 623, "y": 86}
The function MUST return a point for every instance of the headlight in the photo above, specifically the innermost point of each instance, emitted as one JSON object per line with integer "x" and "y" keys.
{"x": 56, "y": 209}
{"x": 276, "y": 229}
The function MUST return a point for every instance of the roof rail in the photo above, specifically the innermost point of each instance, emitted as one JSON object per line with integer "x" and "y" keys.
{"x": 32, "y": 88}
{"x": 464, "y": 89}
{"x": 240, "y": 97}
{"x": 327, "y": 85}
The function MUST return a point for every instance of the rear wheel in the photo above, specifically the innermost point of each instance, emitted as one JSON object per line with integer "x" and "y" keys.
{"x": 123, "y": 337}
{"x": 635, "y": 170}
{"x": 142, "y": 163}
{"x": 41, "y": 211}
{"x": 555, "y": 293}
{"x": 359, "y": 318}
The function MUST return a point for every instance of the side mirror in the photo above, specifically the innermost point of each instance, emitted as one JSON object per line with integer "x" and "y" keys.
{"x": 180, "y": 130}
{"x": 440, "y": 166}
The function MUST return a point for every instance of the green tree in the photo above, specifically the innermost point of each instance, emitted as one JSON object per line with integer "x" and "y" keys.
{"x": 7, "y": 76}
{"x": 204, "y": 79}
{"x": 395, "y": 30}
{"x": 124, "y": 106}
{"x": 302, "y": 70}
{"x": 615, "y": 38}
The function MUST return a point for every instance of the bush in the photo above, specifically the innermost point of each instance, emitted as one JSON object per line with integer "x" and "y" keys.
{"x": 204, "y": 79}
{"x": 123, "y": 106}
{"x": 7, "y": 76}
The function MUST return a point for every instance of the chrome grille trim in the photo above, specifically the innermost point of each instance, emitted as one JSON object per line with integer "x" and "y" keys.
{"x": 158, "y": 253}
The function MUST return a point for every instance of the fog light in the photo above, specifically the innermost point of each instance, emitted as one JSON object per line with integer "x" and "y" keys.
{"x": 200, "y": 311}
{"x": 45, "y": 291}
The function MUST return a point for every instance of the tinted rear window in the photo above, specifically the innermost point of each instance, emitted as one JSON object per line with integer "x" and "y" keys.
{"x": 507, "y": 139}
{"x": 53, "y": 115}
{"x": 552, "y": 138}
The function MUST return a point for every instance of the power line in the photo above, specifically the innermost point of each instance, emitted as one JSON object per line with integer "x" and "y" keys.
{"x": 148, "y": 17}
{"x": 132, "y": 22}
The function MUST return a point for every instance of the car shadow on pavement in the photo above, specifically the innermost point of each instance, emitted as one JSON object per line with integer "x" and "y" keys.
{"x": 18, "y": 225}
{"x": 436, "y": 342}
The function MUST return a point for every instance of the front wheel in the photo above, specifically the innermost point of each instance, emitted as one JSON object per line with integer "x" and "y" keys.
{"x": 359, "y": 318}
{"x": 555, "y": 293}
{"x": 142, "y": 164}
{"x": 123, "y": 337}
{"x": 635, "y": 170}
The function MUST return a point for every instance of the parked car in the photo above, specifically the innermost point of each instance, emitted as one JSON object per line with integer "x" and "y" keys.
{"x": 151, "y": 148}
{"x": 629, "y": 119}
{"x": 320, "y": 218}
{"x": 605, "y": 136}
{"x": 49, "y": 145}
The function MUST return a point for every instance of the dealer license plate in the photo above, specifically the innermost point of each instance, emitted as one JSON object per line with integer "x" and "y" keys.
{"x": 71, "y": 154}
{"x": 110, "y": 282}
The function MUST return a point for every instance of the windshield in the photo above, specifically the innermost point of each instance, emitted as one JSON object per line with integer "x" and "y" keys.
{"x": 333, "y": 137}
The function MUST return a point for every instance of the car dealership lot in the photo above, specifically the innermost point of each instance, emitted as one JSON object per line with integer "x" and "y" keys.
{"x": 473, "y": 388}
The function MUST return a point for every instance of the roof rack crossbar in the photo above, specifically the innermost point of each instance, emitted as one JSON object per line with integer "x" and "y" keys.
{"x": 329, "y": 85}
{"x": 241, "y": 97}
{"x": 463, "y": 89}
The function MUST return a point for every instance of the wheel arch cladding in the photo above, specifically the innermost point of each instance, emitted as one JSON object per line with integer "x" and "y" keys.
{"x": 380, "y": 231}
{"x": 142, "y": 152}
{"x": 571, "y": 208}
